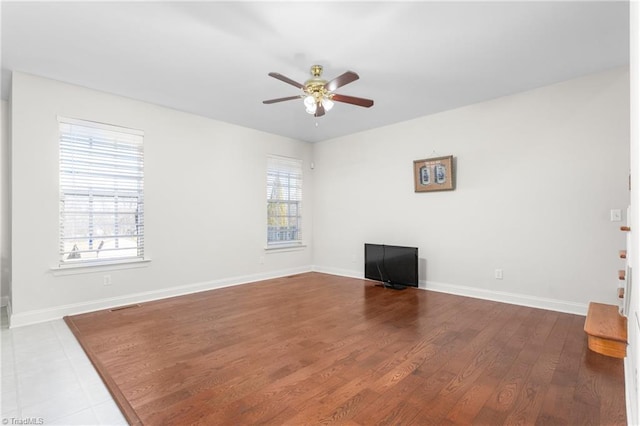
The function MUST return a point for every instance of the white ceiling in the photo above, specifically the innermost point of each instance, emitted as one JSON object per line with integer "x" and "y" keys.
{"x": 212, "y": 58}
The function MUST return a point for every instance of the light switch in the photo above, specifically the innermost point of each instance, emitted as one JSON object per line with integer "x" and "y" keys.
{"x": 616, "y": 215}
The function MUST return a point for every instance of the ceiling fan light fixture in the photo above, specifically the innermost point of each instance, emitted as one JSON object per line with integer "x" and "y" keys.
{"x": 310, "y": 104}
{"x": 309, "y": 101}
{"x": 318, "y": 95}
{"x": 327, "y": 103}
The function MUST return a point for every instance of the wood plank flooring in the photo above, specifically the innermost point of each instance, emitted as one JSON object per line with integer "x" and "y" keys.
{"x": 320, "y": 349}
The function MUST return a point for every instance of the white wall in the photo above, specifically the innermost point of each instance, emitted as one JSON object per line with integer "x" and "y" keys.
{"x": 5, "y": 214}
{"x": 205, "y": 209}
{"x": 632, "y": 361}
{"x": 537, "y": 174}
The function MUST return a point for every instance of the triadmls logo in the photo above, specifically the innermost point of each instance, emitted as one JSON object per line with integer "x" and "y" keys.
{"x": 23, "y": 421}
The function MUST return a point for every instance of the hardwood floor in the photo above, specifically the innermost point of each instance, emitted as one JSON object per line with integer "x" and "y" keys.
{"x": 321, "y": 349}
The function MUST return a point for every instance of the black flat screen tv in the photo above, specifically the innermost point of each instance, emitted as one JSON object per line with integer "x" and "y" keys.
{"x": 395, "y": 266}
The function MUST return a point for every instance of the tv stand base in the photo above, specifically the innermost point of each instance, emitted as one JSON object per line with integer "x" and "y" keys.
{"x": 392, "y": 286}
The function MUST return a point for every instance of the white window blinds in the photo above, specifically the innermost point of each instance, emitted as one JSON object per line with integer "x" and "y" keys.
{"x": 101, "y": 192}
{"x": 284, "y": 199}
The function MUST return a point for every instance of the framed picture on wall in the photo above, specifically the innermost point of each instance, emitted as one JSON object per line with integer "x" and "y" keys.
{"x": 434, "y": 174}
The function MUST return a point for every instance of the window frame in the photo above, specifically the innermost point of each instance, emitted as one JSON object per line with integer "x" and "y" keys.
{"x": 110, "y": 137}
{"x": 292, "y": 168}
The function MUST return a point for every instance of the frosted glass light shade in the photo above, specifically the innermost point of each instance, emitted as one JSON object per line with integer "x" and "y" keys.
{"x": 309, "y": 101}
{"x": 327, "y": 104}
{"x": 310, "y": 104}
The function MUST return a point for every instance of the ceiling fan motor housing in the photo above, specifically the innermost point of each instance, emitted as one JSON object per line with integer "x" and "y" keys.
{"x": 315, "y": 86}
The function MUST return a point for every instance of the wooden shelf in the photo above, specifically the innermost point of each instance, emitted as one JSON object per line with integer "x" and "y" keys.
{"x": 620, "y": 293}
{"x": 621, "y": 274}
{"x": 606, "y": 330}
{"x": 625, "y": 228}
{"x": 623, "y": 254}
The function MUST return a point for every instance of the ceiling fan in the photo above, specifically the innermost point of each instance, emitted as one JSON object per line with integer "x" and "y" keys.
{"x": 318, "y": 93}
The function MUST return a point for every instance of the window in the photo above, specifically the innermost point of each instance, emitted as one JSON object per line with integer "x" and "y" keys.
{"x": 284, "y": 198}
{"x": 101, "y": 192}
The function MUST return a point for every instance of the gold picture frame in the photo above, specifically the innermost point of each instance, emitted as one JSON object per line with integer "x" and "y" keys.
{"x": 434, "y": 174}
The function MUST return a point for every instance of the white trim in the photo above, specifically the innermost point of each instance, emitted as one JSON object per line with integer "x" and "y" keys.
{"x": 99, "y": 266}
{"x": 281, "y": 248}
{"x": 511, "y": 298}
{"x": 57, "y": 312}
{"x": 9, "y": 311}
{"x": 479, "y": 293}
{"x": 99, "y": 125}
{"x": 629, "y": 383}
{"x": 337, "y": 271}
{"x": 42, "y": 315}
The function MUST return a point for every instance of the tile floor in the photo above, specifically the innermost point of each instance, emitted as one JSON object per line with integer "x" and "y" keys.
{"x": 48, "y": 379}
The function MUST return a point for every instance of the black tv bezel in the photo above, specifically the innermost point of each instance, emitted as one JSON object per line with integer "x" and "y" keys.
{"x": 379, "y": 277}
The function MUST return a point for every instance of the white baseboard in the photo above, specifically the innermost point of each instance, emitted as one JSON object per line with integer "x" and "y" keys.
{"x": 42, "y": 315}
{"x": 340, "y": 272}
{"x": 631, "y": 399}
{"x": 57, "y": 312}
{"x": 511, "y": 298}
{"x": 478, "y": 293}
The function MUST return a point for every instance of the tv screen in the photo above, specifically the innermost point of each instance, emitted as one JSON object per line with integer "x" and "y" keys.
{"x": 393, "y": 265}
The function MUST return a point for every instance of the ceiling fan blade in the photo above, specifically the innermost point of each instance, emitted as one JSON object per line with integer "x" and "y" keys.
{"x": 352, "y": 100}
{"x": 319, "y": 110}
{"x": 288, "y": 98}
{"x": 341, "y": 80}
{"x": 286, "y": 80}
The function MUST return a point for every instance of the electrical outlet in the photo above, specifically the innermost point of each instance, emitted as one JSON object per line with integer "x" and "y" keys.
{"x": 106, "y": 279}
{"x": 616, "y": 215}
{"x": 498, "y": 274}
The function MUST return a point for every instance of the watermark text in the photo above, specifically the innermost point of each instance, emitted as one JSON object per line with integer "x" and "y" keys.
{"x": 23, "y": 421}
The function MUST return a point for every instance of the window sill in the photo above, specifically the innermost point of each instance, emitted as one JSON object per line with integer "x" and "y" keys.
{"x": 85, "y": 268}
{"x": 279, "y": 248}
